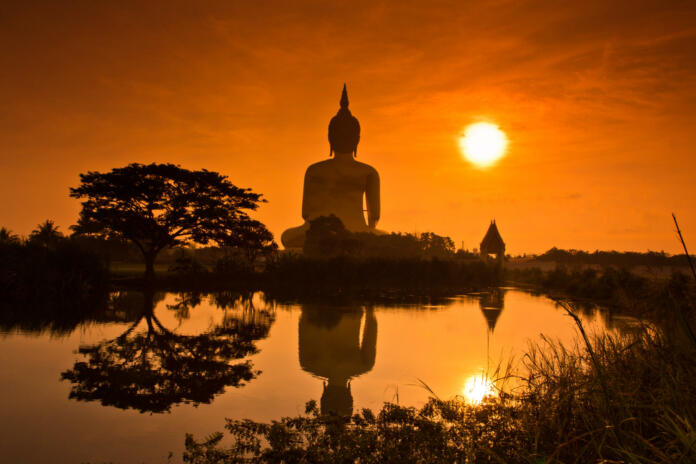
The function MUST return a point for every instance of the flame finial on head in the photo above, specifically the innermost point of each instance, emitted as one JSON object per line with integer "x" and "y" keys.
{"x": 344, "y": 97}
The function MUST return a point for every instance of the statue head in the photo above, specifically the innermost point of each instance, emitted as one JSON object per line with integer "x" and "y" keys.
{"x": 337, "y": 399}
{"x": 344, "y": 129}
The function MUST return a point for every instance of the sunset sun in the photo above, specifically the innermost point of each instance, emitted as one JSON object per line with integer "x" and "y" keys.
{"x": 477, "y": 388}
{"x": 483, "y": 143}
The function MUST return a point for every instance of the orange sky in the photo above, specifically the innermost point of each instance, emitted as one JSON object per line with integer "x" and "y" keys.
{"x": 597, "y": 98}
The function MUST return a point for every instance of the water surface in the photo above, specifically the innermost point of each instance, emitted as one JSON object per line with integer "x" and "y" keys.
{"x": 149, "y": 371}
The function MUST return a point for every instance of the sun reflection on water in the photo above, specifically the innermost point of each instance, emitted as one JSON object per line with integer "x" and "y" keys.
{"x": 477, "y": 388}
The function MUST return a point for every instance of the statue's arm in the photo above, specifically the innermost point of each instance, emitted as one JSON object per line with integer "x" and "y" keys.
{"x": 307, "y": 196}
{"x": 372, "y": 199}
{"x": 368, "y": 345}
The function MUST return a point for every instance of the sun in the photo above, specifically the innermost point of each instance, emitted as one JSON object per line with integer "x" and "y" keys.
{"x": 483, "y": 143}
{"x": 477, "y": 388}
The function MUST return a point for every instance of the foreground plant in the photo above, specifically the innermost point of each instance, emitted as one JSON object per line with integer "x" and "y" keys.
{"x": 440, "y": 431}
{"x": 633, "y": 400}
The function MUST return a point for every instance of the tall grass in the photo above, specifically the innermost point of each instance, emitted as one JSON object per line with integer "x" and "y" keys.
{"x": 642, "y": 413}
{"x": 620, "y": 398}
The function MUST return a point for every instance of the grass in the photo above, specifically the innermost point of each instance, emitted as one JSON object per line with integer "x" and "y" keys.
{"x": 622, "y": 291}
{"x": 134, "y": 269}
{"x": 627, "y": 398}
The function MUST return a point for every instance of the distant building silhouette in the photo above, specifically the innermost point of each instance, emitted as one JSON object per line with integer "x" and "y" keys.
{"x": 338, "y": 185}
{"x": 492, "y": 305}
{"x": 492, "y": 243}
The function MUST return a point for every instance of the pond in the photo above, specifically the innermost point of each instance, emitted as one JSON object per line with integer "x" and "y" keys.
{"x": 127, "y": 383}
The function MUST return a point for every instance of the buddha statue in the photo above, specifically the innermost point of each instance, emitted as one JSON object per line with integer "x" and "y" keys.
{"x": 330, "y": 347}
{"x": 338, "y": 185}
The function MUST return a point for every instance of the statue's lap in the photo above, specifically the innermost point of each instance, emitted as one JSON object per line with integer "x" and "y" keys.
{"x": 295, "y": 236}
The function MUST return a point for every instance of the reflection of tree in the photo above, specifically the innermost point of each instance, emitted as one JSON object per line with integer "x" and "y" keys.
{"x": 154, "y": 369}
{"x": 185, "y": 301}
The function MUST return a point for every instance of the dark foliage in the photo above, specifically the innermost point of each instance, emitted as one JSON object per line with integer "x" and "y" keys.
{"x": 109, "y": 250}
{"x": 159, "y": 206}
{"x": 327, "y": 237}
{"x": 620, "y": 289}
{"x": 438, "y": 432}
{"x": 305, "y": 276}
{"x": 50, "y": 288}
{"x": 611, "y": 258}
{"x": 46, "y": 235}
{"x": 8, "y": 237}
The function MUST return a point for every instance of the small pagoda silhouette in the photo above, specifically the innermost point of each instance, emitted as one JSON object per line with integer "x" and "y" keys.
{"x": 491, "y": 304}
{"x": 492, "y": 243}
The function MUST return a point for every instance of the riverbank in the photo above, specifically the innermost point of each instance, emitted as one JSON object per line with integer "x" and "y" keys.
{"x": 623, "y": 291}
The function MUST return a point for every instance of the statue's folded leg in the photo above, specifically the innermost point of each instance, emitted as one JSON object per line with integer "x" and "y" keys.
{"x": 294, "y": 237}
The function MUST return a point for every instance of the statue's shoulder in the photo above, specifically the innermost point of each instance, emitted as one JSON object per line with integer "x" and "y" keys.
{"x": 319, "y": 165}
{"x": 367, "y": 168}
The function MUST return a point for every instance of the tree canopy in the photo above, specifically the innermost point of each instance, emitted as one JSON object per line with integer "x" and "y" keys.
{"x": 158, "y": 206}
{"x": 46, "y": 234}
{"x": 8, "y": 237}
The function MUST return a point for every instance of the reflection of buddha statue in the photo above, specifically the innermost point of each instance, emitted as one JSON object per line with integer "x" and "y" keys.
{"x": 330, "y": 347}
{"x": 337, "y": 186}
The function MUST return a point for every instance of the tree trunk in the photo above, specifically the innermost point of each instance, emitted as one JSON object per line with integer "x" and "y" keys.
{"x": 150, "y": 267}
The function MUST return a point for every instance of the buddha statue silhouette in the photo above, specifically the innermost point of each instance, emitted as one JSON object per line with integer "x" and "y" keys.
{"x": 331, "y": 347}
{"x": 338, "y": 185}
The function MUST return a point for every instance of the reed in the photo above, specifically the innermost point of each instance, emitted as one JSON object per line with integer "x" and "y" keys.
{"x": 615, "y": 398}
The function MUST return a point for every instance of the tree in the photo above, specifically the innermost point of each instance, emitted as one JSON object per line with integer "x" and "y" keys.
{"x": 160, "y": 206}
{"x": 328, "y": 237}
{"x": 6, "y": 236}
{"x": 436, "y": 246}
{"x": 253, "y": 239}
{"x": 46, "y": 234}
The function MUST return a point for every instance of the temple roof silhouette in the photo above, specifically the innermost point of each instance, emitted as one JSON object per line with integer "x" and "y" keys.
{"x": 492, "y": 240}
{"x": 491, "y": 315}
{"x": 491, "y": 305}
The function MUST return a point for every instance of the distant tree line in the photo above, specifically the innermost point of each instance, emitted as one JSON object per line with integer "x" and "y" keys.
{"x": 48, "y": 274}
{"x": 611, "y": 258}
